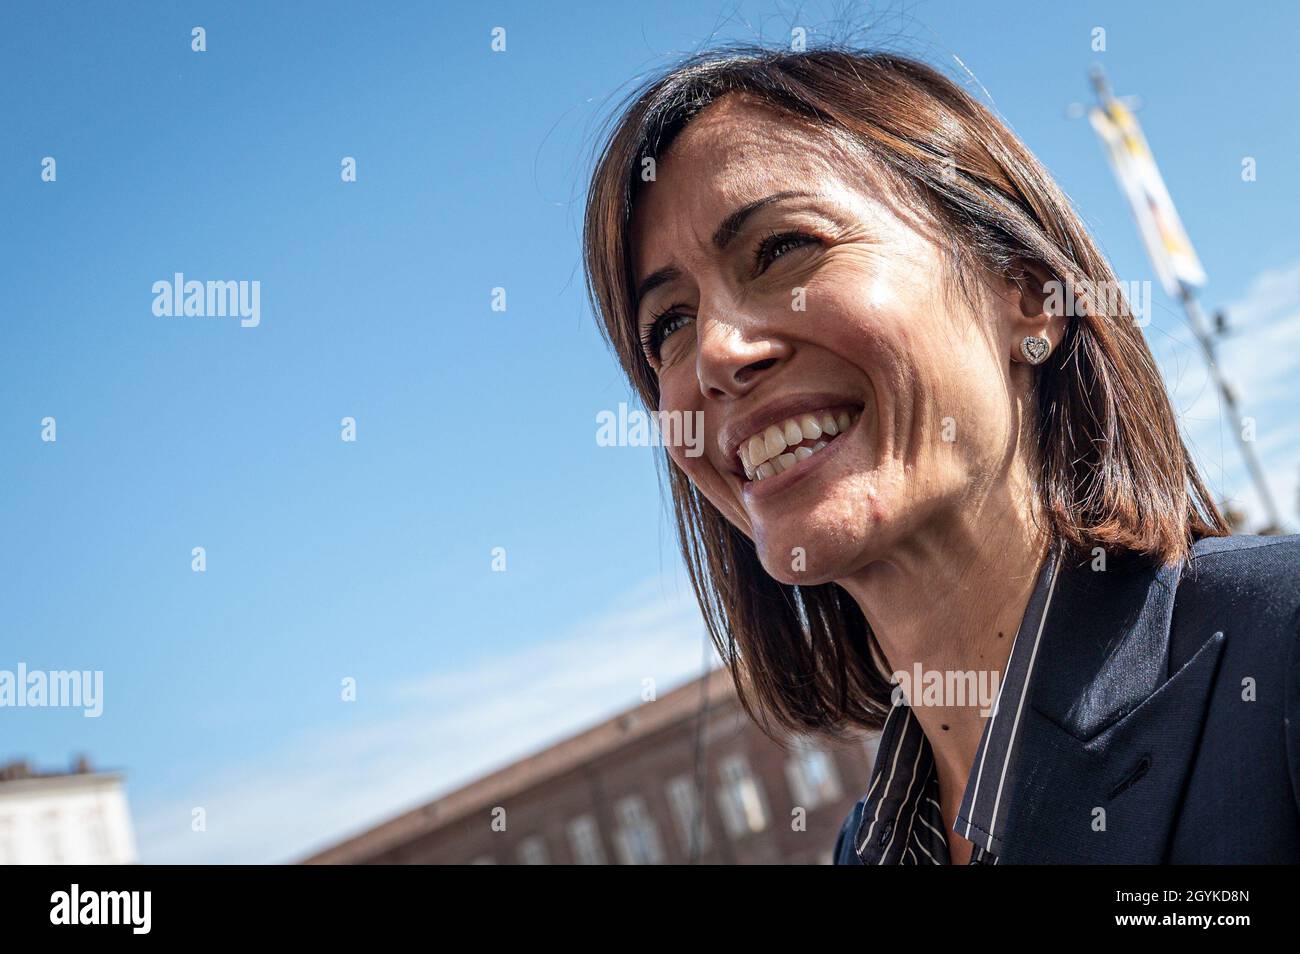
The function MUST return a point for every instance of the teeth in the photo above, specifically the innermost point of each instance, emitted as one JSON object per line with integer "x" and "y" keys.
{"x": 775, "y": 441}
{"x": 809, "y": 427}
{"x": 782, "y": 445}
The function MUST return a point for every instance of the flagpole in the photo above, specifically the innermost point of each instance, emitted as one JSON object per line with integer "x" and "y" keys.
{"x": 1185, "y": 278}
{"x": 1201, "y": 328}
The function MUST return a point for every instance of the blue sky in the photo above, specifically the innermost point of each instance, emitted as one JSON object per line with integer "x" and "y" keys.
{"x": 475, "y": 428}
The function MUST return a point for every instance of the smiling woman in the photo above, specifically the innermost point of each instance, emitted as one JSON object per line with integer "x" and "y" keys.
{"x": 845, "y": 267}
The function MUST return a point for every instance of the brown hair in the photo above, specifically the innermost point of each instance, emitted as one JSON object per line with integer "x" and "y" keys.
{"x": 1112, "y": 469}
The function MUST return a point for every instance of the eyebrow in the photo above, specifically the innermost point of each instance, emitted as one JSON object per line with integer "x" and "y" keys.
{"x": 733, "y": 223}
{"x": 725, "y": 232}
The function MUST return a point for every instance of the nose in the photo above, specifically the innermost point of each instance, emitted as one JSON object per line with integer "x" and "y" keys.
{"x": 734, "y": 355}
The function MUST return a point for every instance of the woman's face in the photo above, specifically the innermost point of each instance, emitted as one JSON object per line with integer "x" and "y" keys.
{"x": 848, "y": 405}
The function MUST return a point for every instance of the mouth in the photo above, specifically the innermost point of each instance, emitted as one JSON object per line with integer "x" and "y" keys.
{"x": 787, "y": 443}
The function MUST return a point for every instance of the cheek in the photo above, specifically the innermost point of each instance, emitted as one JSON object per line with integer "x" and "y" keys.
{"x": 864, "y": 320}
{"x": 679, "y": 395}
{"x": 697, "y": 469}
{"x": 940, "y": 395}
{"x": 680, "y": 400}
{"x": 889, "y": 308}
{"x": 968, "y": 383}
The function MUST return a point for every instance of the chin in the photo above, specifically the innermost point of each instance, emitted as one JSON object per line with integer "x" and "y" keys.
{"x": 802, "y": 556}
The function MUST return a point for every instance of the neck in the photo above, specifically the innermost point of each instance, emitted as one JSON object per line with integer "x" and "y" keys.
{"x": 951, "y": 599}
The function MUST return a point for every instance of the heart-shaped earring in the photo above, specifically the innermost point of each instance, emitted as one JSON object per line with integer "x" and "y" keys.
{"x": 1035, "y": 349}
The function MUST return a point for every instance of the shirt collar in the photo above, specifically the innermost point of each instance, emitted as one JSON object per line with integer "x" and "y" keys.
{"x": 982, "y": 815}
{"x": 901, "y": 822}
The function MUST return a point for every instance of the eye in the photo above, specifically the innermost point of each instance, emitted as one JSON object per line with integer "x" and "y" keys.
{"x": 660, "y": 327}
{"x": 778, "y": 244}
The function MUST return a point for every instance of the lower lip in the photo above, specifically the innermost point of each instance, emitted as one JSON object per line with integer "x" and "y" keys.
{"x": 756, "y": 490}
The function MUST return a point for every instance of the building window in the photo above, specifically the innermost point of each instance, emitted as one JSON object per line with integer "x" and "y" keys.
{"x": 684, "y": 802}
{"x": 584, "y": 840}
{"x": 740, "y": 798}
{"x": 532, "y": 851}
{"x": 812, "y": 775}
{"x": 638, "y": 835}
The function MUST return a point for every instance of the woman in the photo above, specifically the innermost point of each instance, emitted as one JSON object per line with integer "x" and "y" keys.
{"x": 934, "y": 461}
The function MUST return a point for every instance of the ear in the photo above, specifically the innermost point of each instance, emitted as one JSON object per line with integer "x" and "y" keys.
{"x": 1034, "y": 299}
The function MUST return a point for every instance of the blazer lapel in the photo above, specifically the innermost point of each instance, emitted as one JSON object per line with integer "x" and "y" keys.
{"x": 1105, "y": 744}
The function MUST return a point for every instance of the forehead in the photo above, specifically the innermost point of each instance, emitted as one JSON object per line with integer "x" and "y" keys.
{"x": 733, "y": 152}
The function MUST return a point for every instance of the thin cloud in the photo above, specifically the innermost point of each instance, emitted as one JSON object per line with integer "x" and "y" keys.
{"x": 1262, "y": 363}
{"x": 455, "y": 726}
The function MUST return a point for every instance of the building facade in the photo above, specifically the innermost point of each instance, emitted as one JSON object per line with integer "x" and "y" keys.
{"x": 74, "y": 818}
{"x": 687, "y": 778}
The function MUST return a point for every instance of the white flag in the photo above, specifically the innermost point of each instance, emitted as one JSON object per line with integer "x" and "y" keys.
{"x": 1162, "y": 230}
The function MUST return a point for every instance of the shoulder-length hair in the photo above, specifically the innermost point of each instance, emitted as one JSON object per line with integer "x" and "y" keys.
{"x": 1112, "y": 469}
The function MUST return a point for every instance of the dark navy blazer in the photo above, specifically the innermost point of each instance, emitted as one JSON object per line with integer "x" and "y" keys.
{"x": 1169, "y": 698}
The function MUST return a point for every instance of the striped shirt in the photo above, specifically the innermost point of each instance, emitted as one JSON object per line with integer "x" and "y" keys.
{"x": 901, "y": 823}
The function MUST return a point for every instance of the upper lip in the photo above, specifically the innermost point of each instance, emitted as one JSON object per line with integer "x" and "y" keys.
{"x": 741, "y": 428}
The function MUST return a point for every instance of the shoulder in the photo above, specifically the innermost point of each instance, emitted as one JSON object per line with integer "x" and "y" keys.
{"x": 1248, "y": 588}
{"x": 843, "y": 853}
{"x": 1277, "y": 558}
{"x": 1249, "y": 579}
